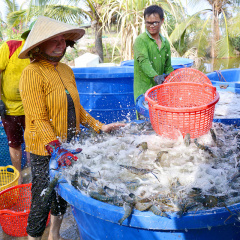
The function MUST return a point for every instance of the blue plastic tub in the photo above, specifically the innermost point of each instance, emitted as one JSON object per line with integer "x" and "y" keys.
{"x": 97, "y": 220}
{"x": 107, "y": 92}
{"x": 4, "y": 150}
{"x": 176, "y": 63}
{"x": 228, "y": 77}
{"x": 181, "y": 63}
{"x": 141, "y": 108}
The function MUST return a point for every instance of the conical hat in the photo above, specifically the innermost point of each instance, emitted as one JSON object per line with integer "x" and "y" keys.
{"x": 46, "y": 28}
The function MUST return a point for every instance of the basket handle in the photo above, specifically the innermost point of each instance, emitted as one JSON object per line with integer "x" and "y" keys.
{"x": 210, "y": 87}
{"x": 5, "y": 211}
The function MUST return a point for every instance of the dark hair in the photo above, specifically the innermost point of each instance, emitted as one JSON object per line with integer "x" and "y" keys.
{"x": 153, "y": 9}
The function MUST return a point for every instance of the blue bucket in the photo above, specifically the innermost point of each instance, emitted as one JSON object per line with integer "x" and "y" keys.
{"x": 230, "y": 78}
{"x": 176, "y": 63}
{"x": 181, "y": 63}
{"x": 4, "y": 150}
{"x": 141, "y": 108}
{"x": 98, "y": 220}
{"x": 106, "y": 92}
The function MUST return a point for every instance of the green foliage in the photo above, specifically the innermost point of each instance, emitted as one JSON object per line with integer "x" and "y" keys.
{"x": 9, "y": 33}
{"x": 110, "y": 53}
{"x": 183, "y": 44}
{"x": 236, "y": 43}
{"x": 108, "y": 50}
{"x": 71, "y": 54}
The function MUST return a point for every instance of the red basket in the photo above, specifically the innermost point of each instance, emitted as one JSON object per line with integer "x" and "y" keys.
{"x": 187, "y": 75}
{"x": 15, "y": 203}
{"x": 181, "y": 107}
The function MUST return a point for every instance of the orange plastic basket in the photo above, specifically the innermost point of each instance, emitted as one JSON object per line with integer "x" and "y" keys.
{"x": 187, "y": 75}
{"x": 8, "y": 177}
{"x": 15, "y": 205}
{"x": 181, "y": 107}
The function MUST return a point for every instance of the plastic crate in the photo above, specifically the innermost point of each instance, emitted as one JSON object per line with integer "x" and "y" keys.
{"x": 8, "y": 177}
{"x": 181, "y": 107}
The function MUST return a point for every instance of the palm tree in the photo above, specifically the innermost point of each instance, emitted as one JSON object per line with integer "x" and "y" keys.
{"x": 68, "y": 12}
{"x": 94, "y": 12}
{"x": 131, "y": 21}
{"x": 212, "y": 28}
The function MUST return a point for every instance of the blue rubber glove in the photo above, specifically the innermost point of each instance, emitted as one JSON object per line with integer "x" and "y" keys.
{"x": 159, "y": 79}
{"x": 2, "y": 109}
{"x": 63, "y": 156}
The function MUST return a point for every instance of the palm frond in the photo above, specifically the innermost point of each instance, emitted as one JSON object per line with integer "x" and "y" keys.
{"x": 224, "y": 47}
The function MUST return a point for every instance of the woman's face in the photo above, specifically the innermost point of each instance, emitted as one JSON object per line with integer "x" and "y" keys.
{"x": 54, "y": 47}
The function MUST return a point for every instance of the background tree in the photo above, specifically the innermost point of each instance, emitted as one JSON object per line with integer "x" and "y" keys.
{"x": 212, "y": 29}
{"x": 68, "y": 12}
{"x": 130, "y": 20}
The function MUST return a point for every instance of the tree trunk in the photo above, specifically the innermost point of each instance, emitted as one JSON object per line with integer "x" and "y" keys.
{"x": 216, "y": 6}
{"x": 98, "y": 41}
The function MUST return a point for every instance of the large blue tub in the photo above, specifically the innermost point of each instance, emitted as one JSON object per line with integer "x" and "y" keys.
{"x": 97, "y": 220}
{"x": 176, "y": 63}
{"x": 106, "y": 92}
{"x": 229, "y": 78}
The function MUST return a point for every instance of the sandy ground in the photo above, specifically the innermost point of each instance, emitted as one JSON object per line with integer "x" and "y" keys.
{"x": 69, "y": 229}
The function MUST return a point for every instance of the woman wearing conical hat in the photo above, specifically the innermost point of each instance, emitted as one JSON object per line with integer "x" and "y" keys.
{"x": 53, "y": 116}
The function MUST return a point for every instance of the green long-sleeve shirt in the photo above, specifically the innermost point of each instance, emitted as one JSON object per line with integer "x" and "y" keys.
{"x": 149, "y": 61}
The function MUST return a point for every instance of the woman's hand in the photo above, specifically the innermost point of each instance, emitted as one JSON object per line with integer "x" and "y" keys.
{"x": 112, "y": 126}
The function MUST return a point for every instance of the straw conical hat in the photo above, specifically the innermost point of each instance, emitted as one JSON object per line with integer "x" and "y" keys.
{"x": 46, "y": 28}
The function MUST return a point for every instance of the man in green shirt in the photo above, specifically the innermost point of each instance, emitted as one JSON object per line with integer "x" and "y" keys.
{"x": 152, "y": 54}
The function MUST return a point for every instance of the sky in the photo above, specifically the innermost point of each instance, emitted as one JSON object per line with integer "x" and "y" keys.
{"x": 3, "y": 7}
{"x": 202, "y": 4}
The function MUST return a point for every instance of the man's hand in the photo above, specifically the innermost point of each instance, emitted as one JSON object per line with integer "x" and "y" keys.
{"x": 159, "y": 79}
{"x": 2, "y": 109}
{"x": 61, "y": 155}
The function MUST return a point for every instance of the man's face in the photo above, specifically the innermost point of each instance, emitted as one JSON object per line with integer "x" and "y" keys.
{"x": 54, "y": 47}
{"x": 153, "y": 23}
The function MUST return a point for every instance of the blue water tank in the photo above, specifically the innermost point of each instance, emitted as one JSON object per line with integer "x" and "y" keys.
{"x": 106, "y": 92}
{"x": 176, "y": 63}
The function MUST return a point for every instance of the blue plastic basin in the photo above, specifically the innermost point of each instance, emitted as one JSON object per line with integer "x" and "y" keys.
{"x": 97, "y": 220}
{"x": 141, "y": 108}
{"x": 176, "y": 63}
{"x": 106, "y": 92}
{"x": 230, "y": 77}
{"x": 181, "y": 62}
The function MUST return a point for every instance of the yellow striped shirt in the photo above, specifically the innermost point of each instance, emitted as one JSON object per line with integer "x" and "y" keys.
{"x": 42, "y": 88}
